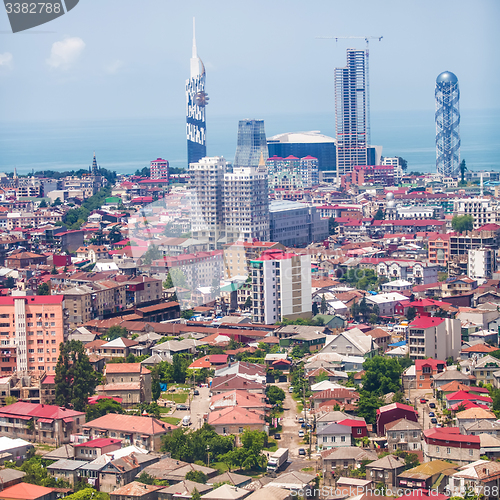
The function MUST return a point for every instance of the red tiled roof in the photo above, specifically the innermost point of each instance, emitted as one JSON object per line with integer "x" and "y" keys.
{"x": 426, "y": 322}
{"x": 480, "y": 348}
{"x": 419, "y": 363}
{"x": 98, "y": 443}
{"x": 26, "y": 491}
{"x": 235, "y": 416}
{"x": 125, "y": 368}
{"x": 40, "y": 410}
{"x": 451, "y": 434}
{"x": 128, "y": 423}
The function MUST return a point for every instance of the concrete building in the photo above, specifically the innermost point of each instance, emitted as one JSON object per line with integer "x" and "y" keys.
{"x": 481, "y": 263}
{"x": 403, "y": 434}
{"x": 40, "y": 423}
{"x": 295, "y": 224}
{"x": 448, "y": 443}
{"x": 432, "y": 337}
{"x": 206, "y": 186}
{"x": 32, "y": 328}
{"x": 281, "y": 284}
{"x": 483, "y": 210}
{"x": 246, "y": 203}
{"x": 159, "y": 169}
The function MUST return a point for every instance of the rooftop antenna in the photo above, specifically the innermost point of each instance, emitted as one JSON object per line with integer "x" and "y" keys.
{"x": 367, "y": 71}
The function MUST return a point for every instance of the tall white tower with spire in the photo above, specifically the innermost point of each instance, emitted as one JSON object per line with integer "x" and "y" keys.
{"x": 196, "y": 100}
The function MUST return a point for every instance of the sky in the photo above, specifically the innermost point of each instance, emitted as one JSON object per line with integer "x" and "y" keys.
{"x": 109, "y": 59}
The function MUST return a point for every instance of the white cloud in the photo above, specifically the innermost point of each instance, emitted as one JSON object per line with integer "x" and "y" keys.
{"x": 113, "y": 67}
{"x": 65, "y": 52}
{"x": 5, "y": 59}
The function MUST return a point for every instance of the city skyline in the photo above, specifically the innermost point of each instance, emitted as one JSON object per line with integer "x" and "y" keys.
{"x": 80, "y": 54}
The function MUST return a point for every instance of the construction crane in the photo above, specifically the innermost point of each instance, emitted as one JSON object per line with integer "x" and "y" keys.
{"x": 367, "y": 70}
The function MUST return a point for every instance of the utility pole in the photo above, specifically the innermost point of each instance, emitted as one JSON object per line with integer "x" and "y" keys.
{"x": 367, "y": 72}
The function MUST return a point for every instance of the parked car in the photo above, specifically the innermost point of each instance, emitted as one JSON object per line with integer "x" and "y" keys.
{"x": 432, "y": 405}
{"x": 301, "y": 433}
{"x": 431, "y": 414}
{"x": 196, "y": 392}
{"x": 301, "y": 420}
{"x": 290, "y": 389}
{"x": 434, "y": 420}
{"x": 182, "y": 407}
{"x": 423, "y": 400}
{"x": 277, "y": 436}
{"x": 302, "y": 452}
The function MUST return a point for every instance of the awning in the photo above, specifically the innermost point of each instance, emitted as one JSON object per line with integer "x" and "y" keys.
{"x": 67, "y": 420}
{"x": 144, "y": 436}
{"x": 45, "y": 420}
{"x": 22, "y": 417}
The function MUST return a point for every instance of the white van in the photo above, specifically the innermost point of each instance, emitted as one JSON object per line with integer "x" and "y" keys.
{"x": 186, "y": 420}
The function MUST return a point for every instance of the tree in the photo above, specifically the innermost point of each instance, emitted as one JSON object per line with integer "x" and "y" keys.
{"x": 368, "y": 405}
{"x": 57, "y": 202}
{"x": 411, "y": 313}
{"x": 101, "y": 408}
{"x": 179, "y": 368}
{"x": 43, "y": 204}
{"x": 315, "y": 308}
{"x": 197, "y": 476}
{"x": 43, "y": 289}
{"x": 87, "y": 493}
{"x": 382, "y": 375}
{"x": 152, "y": 253}
{"x": 249, "y": 456}
{"x": 462, "y": 223}
{"x": 332, "y": 225}
{"x": 114, "y": 235}
{"x": 115, "y": 332}
{"x": 379, "y": 215}
{"x": 54, "y": 271}
{"x": 324, "y": 306}
{"x": 195, "y": 495}
{"x": 248, "y": 303}
{"x": 10, "y": 400}
{"x": 145, "y": 478}
{"x": 155, "y": 384}
{"x": 75, "y": 378}
{"x": 10, "y": 282}
{"x": 275, "y": 395}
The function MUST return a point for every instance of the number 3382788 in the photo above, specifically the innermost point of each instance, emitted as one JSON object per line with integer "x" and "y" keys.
{"x": 33, "y": 8}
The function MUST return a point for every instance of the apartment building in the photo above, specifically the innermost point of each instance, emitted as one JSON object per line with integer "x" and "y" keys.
{"x": 439, "y": 249}
{"x": 417, "y": 273}
{"x": 206, "y": 185}
{"x": 26, "y": 219}
{"x": 31, "y": 329}
{"x": 447, "y": 443}
{"x": 246, "y": 203}
{"x": 40, "y": 423}
{"x": 237, "y": 256}
{"x": 436, "y": 338}
{"x": 483, "y": 210}
{"x": 159, "y": 169}
{"x": 281, "y": 287}
{"x": 426, "y": 369}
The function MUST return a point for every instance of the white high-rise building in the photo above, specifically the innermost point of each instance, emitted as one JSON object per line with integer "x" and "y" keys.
{"x": 483, "y": 210}
{"x": 281, "y": 287}
{"x": 206, "y": 191}
{"x": 480, "y": 263}
{"x": 246, "y": 203}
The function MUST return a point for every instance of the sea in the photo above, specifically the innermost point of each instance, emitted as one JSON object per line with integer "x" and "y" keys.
{"x": 126, "y": 145}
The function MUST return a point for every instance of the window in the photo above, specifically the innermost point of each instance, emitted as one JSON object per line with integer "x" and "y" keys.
{"x": 437, "y": 449}
{"x": 471, "y": 452}
{"x": 342, "y": 439}
{"x": 448, "y": 450}
{"x": 240, "y": 430}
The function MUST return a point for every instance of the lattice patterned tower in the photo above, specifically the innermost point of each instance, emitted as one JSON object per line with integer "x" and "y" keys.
{"x": 447, "y": 124}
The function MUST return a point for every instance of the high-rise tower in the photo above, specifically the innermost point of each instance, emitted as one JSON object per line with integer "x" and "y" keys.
{"x": 447, "y": 124}
{"x": 252, "y": 143}
{"x": 351, "y": 112}
{"x": 196, "y": 100}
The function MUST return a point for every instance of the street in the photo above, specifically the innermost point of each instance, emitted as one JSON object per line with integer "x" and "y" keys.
{"x": 198, "y": 407}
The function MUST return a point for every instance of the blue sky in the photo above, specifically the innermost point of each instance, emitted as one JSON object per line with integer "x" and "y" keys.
{"x": 127, "y": 58}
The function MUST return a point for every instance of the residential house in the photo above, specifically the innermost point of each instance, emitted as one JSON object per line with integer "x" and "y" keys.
{"x": 472, "y": 416}
{"x": 426, "y": 369}
{"x": 129, "y": 381}
{"x": 328, "y": 418}
{"x": 168, "y": 349}
{"x": 42, "y": 423}
{"x": 343, "y": 395}
{"x": 482, "y": 427}
{"x": 234, "y": 420}
{"x": 183, "y": 490}
{"x": 145, "y": 432}
{"x": 333, "y": 436}
{"x": 117, "y": 348}
{"x": 460, "y": 397}
{"x": 27, "y": 491}
{"x": 385, "y": 470}
{"x": 136, "y": 491}
{"x": 484, "y": 368}
{"x": 481, "y": 478}
{"x": 352, "y": 343}
{"x": 425, "y": 475}
{"x": 387, "y": 303}
{"x": 477, "y": 351}
{"x": 392, "y": 412}
{"x": 229, "y": 383}
{"x": 447, "y": 443}
{"x": 67, "y": 470}
{"x": 313, "y": 340}
{"x": 90, "y": 450}
{"x": 358, "y": 427}
{"x": 404, "y": 435}
{"x": 242, "y": 399}
{"x": 382, "y": 337}
{"x": 339, "y": 460}
{"x": 441, "y": 379}
{"x": 226, "y": 492}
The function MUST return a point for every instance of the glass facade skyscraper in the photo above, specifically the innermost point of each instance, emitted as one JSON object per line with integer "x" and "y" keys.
{"x": 447, "y": 124}
{"x": 351, "y": 117}
{"x": 252, "y": 143}
{"x": 196, "y": 100}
